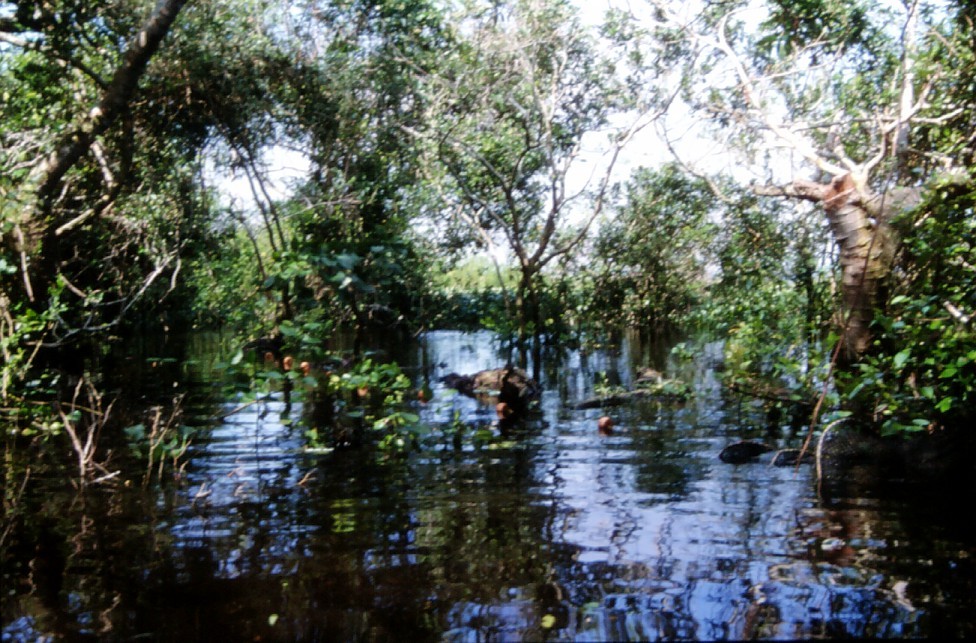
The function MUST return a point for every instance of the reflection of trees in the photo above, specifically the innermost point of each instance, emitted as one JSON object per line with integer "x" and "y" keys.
{"x": 476, "y": 541}
{"x": 663, "y": 469}
{"x": 480, "y": 545}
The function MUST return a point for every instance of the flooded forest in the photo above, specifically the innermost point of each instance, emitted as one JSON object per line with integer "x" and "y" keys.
{"x": 523, "y": 320}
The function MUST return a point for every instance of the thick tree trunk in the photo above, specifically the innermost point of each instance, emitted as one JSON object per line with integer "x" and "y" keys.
{"x": 115, "y": 99}
{"x": 865, "y": 261}
{"x": 859, "y": 222}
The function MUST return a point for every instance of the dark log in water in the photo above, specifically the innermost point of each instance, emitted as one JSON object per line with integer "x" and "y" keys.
{"x": 617, "y": 399}
{"x": 744, "y": 451}
{"x": 512, "y": 386}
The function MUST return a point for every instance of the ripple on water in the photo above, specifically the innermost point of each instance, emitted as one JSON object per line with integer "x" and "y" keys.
{"x": 555, "y": 532}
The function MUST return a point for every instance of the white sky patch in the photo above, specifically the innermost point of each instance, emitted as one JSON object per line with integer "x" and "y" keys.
{"x": 282, "y": 168}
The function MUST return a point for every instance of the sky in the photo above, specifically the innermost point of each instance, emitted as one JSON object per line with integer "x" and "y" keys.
{"x": 285, "y": 167}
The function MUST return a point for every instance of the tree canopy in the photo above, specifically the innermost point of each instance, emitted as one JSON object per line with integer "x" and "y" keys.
{"x": 831, "y": 212}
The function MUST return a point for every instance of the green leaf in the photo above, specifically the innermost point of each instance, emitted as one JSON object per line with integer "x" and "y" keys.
{"x": 135, "y": 432}
{"x": 348, "y": 261}
{"x": 289, "y": 330}
{"x": 901, "y": 358}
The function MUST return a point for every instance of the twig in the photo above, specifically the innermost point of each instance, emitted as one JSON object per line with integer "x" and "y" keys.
{"x": 242, "y": 407}
{"x": 308, "y": 476}
{"x": 957, "y": 314}
{"x": 107, "y": 476}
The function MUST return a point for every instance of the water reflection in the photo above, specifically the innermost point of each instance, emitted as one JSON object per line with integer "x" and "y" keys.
{"x": 559, "y": 534}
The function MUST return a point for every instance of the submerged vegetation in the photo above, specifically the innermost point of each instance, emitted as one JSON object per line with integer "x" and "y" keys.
{"x": 429, "y": 134}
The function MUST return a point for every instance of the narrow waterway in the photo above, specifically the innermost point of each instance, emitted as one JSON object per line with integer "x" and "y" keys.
{"x": 550, "y": 532}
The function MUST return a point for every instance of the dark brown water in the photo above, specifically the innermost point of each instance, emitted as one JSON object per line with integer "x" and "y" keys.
{"x": 556, "y": 533}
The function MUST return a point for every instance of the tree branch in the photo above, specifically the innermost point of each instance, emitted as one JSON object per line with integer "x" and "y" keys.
{"x": 750, "y": 92}
{"x": 115, "y": 99}
{"x": 800, "y": 189}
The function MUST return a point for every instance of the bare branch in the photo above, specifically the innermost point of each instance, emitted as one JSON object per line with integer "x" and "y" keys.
{"x": 957, "y": 314}
{"x": 750, "y": 93}
{"x": 804, "y": 190}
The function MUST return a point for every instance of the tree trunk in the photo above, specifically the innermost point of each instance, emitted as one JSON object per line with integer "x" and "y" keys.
{"x": 115, "y": 99}
{"x": 523, "y": 306}
{"x": 859, "y": 222}
{"x": 865, "y": 259}
{"x": 41, "y": 224}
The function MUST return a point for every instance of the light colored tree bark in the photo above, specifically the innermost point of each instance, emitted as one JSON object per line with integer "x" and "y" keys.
{"x": 768, "y": 105}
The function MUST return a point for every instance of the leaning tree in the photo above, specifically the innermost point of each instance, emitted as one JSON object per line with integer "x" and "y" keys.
{"x": 864, "y": 109}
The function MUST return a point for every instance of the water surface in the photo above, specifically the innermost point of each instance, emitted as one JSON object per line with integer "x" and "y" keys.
{"x": 552, "y": 532}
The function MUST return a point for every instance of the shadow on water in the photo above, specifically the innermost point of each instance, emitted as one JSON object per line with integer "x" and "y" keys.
{"x": 552, "y": 532}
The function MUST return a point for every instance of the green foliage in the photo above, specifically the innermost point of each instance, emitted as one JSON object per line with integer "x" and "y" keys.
{"x": 603, "y": 387}
{"x": 948, "y": 61}
{"x": 359, "y": 283}
{"x": 770, "y": 348}
{"x": 832, "y": 26}
{"x": 470, "y": 295}
{"x": 129, "y": 210}
{"x": 223, "y": 286}
{"x": 22, "y": 329}
{"x": 468, "y": 124}
{"x": 347, "y": 103}
{"x": 508, "y": 107}
{"x": 651, "y": 259}
{"x": 373, "y": 395}
{"x": 466, "y": 310}
{"x": 770, "y": 301}
{"x": 921, "y": 373}
{"x": 161, "y": 442}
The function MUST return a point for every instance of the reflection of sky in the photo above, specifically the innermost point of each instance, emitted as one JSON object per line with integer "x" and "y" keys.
{"x": 651, "y": 536}
{"x": 691, "y": 551}
{"x": 243, "y": 486}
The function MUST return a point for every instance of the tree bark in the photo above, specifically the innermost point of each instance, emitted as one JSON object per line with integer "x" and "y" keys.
{"x": 865, "y": 261}
{"x": 859, "y": 222}
{"x": 115, "y": 99}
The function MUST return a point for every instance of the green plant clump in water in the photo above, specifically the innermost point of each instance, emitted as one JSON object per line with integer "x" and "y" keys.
{"x": 373, "y": 395}
{"x": 603, "y": 388}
